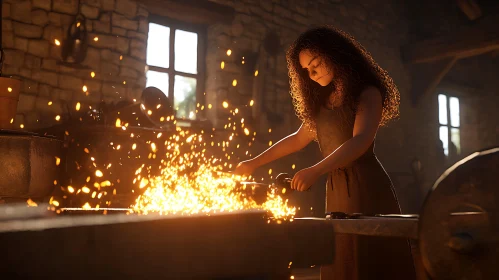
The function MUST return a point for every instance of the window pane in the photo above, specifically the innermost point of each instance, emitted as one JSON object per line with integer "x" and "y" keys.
{"x": 185, "y": 97}
{"x": 158, "y": 45}
{"x": 444, "y": 136}
{"x": 157, "y": 79}
{"x": 455, "y": 137}
{"x": 186, "y": 51}
{"x": 454, "y": 111}
{"x": 442, "y": 109}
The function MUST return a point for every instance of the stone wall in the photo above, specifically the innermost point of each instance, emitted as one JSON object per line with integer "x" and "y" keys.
{"x": 117, "y": 32}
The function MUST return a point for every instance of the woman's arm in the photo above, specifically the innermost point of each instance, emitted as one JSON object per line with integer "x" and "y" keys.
{"x": 365, "y": 127}
{"x": 288, "y": 145}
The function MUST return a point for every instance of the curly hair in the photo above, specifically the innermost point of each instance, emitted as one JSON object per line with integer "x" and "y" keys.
{"x": 353, "y": 67}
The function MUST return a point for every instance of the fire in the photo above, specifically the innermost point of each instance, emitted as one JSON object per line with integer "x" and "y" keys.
{"x": 190, "y": 182}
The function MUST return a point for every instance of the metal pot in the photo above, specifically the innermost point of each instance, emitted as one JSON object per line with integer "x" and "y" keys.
{"x": 29, "y": 164}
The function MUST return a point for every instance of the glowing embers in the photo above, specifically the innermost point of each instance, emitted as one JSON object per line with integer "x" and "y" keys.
{"x": 190, "y": 182}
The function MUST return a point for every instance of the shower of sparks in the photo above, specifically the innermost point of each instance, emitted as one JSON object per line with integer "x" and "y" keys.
{"x": 187, "y": 174}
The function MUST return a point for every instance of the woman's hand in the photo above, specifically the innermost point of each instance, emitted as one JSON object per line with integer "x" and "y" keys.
{"x": 305, "y": 178}
{"x": 245, "y": 168}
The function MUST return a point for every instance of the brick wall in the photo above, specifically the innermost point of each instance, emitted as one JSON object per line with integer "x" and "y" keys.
{"x": 117, "y": 57}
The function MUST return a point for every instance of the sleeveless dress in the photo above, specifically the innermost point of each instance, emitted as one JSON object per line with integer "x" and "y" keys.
{"x": 360, "y": 187}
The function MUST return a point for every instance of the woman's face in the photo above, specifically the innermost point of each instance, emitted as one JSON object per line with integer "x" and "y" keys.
{"x": 316, "y": 68}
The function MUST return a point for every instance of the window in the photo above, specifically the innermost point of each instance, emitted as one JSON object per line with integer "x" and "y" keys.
{"x": 175, "y": 58}
{"x": 449, "y": 119}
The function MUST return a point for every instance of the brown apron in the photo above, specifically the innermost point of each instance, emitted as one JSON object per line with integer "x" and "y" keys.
{"x": 360, "y": 187}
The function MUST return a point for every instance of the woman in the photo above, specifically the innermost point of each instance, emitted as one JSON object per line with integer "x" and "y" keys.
{"x": 342, "y": 96}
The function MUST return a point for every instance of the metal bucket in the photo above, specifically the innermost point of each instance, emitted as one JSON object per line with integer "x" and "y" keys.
{"x": 28, "y": 164}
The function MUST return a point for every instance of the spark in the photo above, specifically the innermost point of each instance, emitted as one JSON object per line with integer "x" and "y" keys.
{"x": 78, "y": 105}
{"x": 57, "y": 42}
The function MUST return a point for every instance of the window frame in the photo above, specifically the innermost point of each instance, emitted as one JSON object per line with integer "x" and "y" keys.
{"x": 201, "y": 31}
{"x": 449, "y": 125}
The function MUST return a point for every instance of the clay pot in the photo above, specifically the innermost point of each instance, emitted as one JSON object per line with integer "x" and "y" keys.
{"x": 9, "y": 97}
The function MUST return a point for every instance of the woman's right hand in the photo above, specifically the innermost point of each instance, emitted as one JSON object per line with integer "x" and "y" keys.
{"x": 245, "y": 168}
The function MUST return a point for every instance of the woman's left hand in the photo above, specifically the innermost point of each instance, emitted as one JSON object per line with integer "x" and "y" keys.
{"x": 305, "y": 178}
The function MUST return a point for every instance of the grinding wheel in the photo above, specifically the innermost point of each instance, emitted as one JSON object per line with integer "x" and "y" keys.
{"x": 459, "y": 227}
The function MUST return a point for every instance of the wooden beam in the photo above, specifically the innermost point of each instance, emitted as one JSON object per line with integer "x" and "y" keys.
{"x": 191, "y": 11}
{"x": 477, "y": 39}
{"x": 426, "y": 77}
{"x": 470, "y": 8}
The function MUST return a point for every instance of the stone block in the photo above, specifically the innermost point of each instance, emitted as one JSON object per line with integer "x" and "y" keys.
{"x": 42, "y": 4}
{"x": 32, "y": 62}
{"x": 50, "y": 64}
{"x": 7, "y": 25}
{"x": 14, "y": 58}
{"x": 25, "y": 73}
{"x": 8, "y": 40}
{"x": 121, "y": 21}
{"x": 39, "y": 48}
{"x": 142, "y": 12}
{"x": 126, "y": 72}
{"x": 105, "y": 17}
{"x": 27, "y": 30}
{"x": 8, "y": 70}
{"x": 29, "y": 86}
{"x": 134, "y": 63}
{"x": 126, "y": 7}
{"x": 108, "y": 5}
{"x": 93, "y": 86}
{"x": 46, "y": 77}
{"x": 138, "y": 53}
{"x": 137, "y": 35}
{"x": 108, "y": 55}
{"x": 67, "y": 95}
{"x": 59, "y": 19}
{"x": 93, "y": 59}
{"x": 65, "y": 6}
{"x": 44, "y": 90}
{"x": 5, "y": 10}
{"x": 70, "y": 83}
{"x": 138, "y": 44}
{"x": 108, "y": 68}
{"x": 266, "y": 5}
{"x": 51, "y": 33}
{"x": 55, "y": 52}
{"x": 105, "y": 41}
{"x": 39, "y": 17}
{"x": 90, "y": 12}
{"x": 102, "y": 27}
{"x": 143, "y": 25}
{"x": 93, "y": 3}
{"x": 118, "y": 31}
{"x": 21, "y": 11}
{"x": 26, "y": 103}
{"x": 122, "y": 44}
